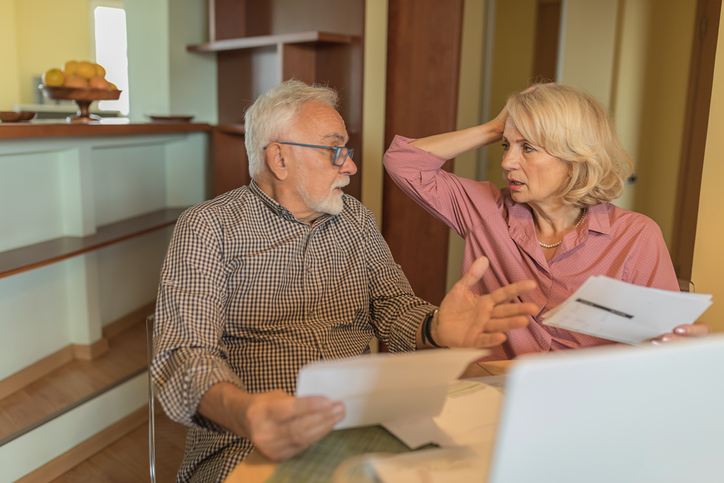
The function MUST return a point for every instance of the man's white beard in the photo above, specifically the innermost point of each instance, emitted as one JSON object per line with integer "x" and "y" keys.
{"x": 332, "y": 203}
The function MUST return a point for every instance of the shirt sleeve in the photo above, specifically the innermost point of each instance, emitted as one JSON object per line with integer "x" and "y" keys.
{"x": 190, "y": 356}
{"x": 460, "y": 203}
{"x": 649, "y": 263}
{"x": 395, "y": 311}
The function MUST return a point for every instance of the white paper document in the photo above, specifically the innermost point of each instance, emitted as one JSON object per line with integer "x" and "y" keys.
{"x": 468, "y": 417}
{"x": 623, "y": 312}
{"x": 380, "y": 388}
{"x": 443, "y": 465}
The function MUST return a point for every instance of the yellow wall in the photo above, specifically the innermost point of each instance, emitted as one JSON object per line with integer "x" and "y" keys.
{"x": 373, "y": 110}
{"x": 662, "y": 89}
{"x": 512, "y": 65}
{"x": 643, "y": 81}
{"x": 588, "y": 32}
{"x": 468, "y": 113}
{"x": 629, "y": 92}
{"x": 708, "y": 255}
{"x": 9, "y": 87}
{"x": 49, "y": 33}
{"x": 634, "y": 57}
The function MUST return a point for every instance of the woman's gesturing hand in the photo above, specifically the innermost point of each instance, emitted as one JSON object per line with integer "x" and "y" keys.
{"x": 466, "y": 319}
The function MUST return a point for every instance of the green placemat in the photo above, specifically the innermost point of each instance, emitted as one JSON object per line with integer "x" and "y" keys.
{"x": 318, "y": 462}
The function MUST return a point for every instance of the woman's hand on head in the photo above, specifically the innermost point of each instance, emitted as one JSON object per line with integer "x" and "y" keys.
{"x": 499, "y": 121}
{"x": 684, "y": 332}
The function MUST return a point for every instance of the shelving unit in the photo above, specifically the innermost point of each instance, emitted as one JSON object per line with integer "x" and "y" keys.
{"x": 271, "y": 40}
{"x": 40, "y": 254}
{"x": 91, "y": 209}
{"x": 263, "y": 42}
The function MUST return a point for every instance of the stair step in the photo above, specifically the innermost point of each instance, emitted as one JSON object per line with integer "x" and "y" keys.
{"x": 72, "y": 385}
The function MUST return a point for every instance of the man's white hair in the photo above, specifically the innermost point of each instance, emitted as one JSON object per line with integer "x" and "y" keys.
{"x": 272, "y": 114}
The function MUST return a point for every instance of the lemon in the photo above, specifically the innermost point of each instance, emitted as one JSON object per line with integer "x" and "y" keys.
{"x": 69, "y": 67}
{"x": 85, "y": 70}
{"x": 53, "y": 77}
{"x": 100, "y": 71}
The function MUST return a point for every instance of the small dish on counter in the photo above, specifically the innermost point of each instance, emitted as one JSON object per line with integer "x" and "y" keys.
{"x": 16, "y": 116}
{"x": 170, "y": 118}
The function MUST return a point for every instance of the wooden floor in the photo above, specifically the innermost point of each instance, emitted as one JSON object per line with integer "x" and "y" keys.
{"x": 127, "y": 460}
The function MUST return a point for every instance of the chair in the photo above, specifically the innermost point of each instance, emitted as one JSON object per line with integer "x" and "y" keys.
{"x": 686, "y": 285}
{"x": 151, "y": 409}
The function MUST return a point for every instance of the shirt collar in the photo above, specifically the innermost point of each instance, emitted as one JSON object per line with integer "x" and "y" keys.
{"x": 596, "y": 218}
{"x": 522, "y": 230}
{"x": 279, "y": 209}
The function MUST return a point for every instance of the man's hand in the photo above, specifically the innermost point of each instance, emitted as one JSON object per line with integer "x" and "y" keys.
{"x": 281, "y": 426}
{"x": 278, "y": 424}
{"x": 469, "y": 320}
{"x": 684, "y": 332}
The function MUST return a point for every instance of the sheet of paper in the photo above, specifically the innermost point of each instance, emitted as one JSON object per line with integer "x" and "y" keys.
{"x": 443, "y": 465}
{"x": 619, "y": 311}
{"x": 380, "y": 388}
{"x": 469, "y": 416}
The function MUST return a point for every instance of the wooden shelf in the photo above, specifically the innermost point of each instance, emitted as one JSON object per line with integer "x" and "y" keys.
{"x": 231, "y": 129}
{"x": 51, "y": 251}
{"x": 270, "y": 40}
{"x": 104, "y": 128}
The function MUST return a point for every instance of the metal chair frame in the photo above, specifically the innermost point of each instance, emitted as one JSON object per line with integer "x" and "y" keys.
{"x": 151, "y": 408}
{"x": 686, "y": 285}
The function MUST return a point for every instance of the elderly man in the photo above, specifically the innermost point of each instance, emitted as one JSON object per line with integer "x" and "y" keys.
{"x": 268, "y": 277}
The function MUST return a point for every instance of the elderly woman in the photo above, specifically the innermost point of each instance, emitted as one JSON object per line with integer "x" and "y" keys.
{"x": 554, "y": 222}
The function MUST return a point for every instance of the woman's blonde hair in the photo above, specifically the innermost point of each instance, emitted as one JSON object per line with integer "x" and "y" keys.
{"x": 573, "y": 126}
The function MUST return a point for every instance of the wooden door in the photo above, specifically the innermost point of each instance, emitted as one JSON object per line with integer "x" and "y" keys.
{"x": 701, "y": 76}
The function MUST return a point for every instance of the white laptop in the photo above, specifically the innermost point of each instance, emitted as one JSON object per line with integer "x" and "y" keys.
{"x": 622, "y": 414}
{"x": 610, "y": 415}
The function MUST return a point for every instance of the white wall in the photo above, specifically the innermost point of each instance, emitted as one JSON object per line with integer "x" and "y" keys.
{"x": 164, "y": 77}
{"x": 69, "y": 187}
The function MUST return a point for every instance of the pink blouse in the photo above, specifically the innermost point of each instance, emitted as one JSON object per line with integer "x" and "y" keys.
{"x": 609, "y": 241}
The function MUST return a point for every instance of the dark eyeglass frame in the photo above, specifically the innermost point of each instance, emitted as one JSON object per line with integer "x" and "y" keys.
{"x": 338, "y": 151}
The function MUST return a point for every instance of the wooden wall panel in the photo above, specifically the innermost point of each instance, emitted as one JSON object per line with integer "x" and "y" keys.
{"x": 227, "y": 19}
{"x": 547, "y": 33}
{"x": 423, "y": 65}
{"x": 235, "y": 84}
{"x": 339, "y": 66}
{"x": 231, "y": 166}
{"x": 298, "y": 61}
{"x": 246, "y": 73}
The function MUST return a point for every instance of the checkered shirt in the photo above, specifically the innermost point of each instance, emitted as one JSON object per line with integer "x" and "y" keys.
{"x": 249, "y": 294}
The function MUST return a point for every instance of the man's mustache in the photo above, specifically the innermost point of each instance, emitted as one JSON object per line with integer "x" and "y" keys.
{"x": 342, "y": 183}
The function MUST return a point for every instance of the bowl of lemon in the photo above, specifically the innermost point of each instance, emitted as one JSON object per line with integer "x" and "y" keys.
{"x": 82, "y": 82}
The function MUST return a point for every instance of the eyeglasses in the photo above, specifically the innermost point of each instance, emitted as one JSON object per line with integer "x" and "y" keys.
{"x": 340, "y": 153}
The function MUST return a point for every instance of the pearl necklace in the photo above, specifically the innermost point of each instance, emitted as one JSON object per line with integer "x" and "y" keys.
{"x": 556, "y": 244}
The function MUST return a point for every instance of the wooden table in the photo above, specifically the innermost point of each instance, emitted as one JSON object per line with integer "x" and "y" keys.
{"x": 256, "y": 468}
